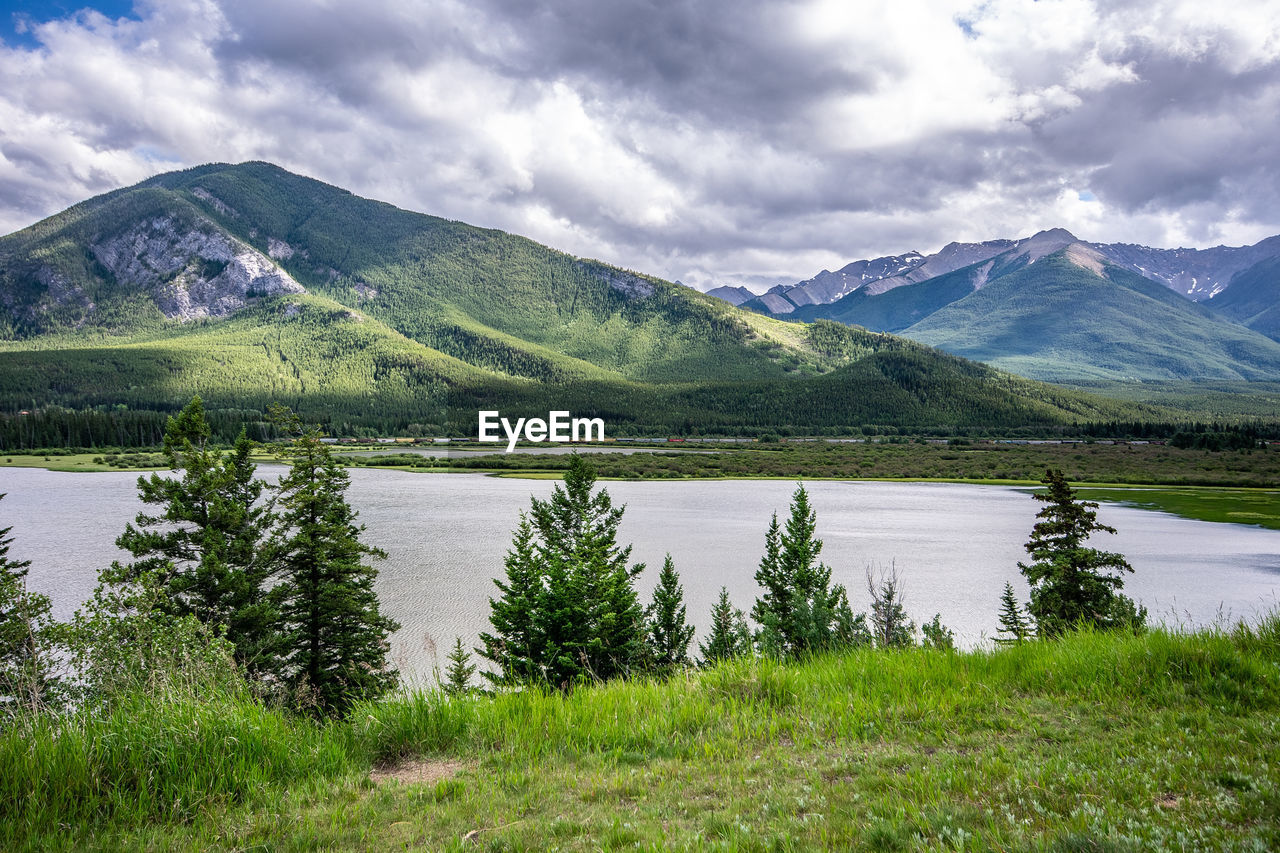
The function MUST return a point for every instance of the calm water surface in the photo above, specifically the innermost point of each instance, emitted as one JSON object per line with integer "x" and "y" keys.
{"x": 954, "y": 545}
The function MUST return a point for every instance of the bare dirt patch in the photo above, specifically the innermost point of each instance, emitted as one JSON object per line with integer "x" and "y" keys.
{"x": 418, "y": 771}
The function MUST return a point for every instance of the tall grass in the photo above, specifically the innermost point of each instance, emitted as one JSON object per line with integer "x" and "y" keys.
{"x": 192, "y": 758}
{"x": 157, "y": 759}
{"x": 863, "y": 693}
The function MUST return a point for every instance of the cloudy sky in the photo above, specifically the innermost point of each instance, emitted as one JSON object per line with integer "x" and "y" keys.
{"x": 711, "y": 141}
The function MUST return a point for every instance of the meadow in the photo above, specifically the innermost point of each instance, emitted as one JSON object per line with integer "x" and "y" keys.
{"x": 1090, "y": 742}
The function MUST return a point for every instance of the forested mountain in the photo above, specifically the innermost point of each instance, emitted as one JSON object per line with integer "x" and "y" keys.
{"x": 1253, "y": 299}
{"x": 249, "y": 284}
{"x": 1061, "y": 320}
{"x": 1052, "y": 307}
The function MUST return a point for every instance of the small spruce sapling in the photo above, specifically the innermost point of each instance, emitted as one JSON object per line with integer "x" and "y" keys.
{"x": 460, "y": 670}
{"x": 1013, "y": 621}
{"x": 889, "y": 623}
{"x": 730, "y": 635}
{"x": 667, "y": 631}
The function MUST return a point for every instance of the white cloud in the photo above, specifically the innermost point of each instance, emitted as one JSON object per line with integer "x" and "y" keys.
{"x": 727, "y": 141}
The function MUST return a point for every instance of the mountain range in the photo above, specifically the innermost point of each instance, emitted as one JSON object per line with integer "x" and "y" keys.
{"x": 250, "y": 284}
{"x": 1053, "y": 307}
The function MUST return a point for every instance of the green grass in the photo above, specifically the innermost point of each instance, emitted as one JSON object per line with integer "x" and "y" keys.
{"x": 970, "y": 462}
{"x": 86, "y": 462}
{"x": 1240, "y": 506}
{"x": 1093, "y": 742}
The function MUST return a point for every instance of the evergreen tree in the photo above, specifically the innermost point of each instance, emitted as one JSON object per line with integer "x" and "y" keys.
{"x": 667, "y": 632}
{"x": 1012, "y": 620}
{"x": 516, "y": 645}
{"x": 773, "y": 610}
{"x": 334, "y": 637}
{"x": 205, "y": 545}
{"x": 889, "y": 623}
{"x": 730, "y": 636}
{"x": 569, "y": 609}
{"x": 937, "y": 635}
{"x": 798, "y": 610}
{"x": 26, "y": 665}
{"x": 1072, "y": 584}
{"x": 458, "y": 674}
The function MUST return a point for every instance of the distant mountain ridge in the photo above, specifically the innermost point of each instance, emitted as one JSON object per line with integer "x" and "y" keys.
{"x": 1198, "y": 274}
{"x": 1053, "y": 307}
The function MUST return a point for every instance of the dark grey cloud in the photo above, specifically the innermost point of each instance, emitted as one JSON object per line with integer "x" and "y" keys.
{"x": 708, "y": 141}
{"x": 714, "y": 60}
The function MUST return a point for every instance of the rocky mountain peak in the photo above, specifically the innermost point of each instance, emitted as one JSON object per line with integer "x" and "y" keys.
{"x": 1043, "y": 243}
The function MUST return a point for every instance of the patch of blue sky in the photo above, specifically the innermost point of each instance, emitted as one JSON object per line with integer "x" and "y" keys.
{"x": 19, "y": 18}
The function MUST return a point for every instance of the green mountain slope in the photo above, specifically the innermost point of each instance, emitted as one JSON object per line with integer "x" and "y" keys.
{"x": 1058, "y": 320}
{"x": 485, "y": 296}
{"x": 250, "y": 284}
{"x": 1253, "y": 298}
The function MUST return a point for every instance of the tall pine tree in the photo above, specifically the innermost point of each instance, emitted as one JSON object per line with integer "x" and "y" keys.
{"x": 568, "y": 610}
{"x": 334, "y": 636}
{"x": 667, "y": 630}
{"x": 205, "y": 543}
{"x": 799, "y": 610}
{"x": 516, "y": 645}
{"x": 1071, "y": 583}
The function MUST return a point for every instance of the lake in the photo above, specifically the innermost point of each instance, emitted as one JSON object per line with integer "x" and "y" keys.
{"x": 954, "y": 545}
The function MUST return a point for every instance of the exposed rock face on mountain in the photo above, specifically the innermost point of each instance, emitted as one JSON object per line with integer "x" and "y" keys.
{"x": 1198, "y": 274}
{"x": 829, "y": 286}
{"x": 949, "y": 258}
{"x": 191, "y": 272}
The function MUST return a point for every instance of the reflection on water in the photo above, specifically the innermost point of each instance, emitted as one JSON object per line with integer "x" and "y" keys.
{"x": 954, "y": 545}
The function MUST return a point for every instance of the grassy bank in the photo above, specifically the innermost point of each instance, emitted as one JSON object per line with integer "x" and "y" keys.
{"x": 86, "y": 462}
{"x": 1238, "y": 506}
{"x": 1090, "y": 743}
{"x": 1135, "y": 464}
{"x": 1144, "y": 464}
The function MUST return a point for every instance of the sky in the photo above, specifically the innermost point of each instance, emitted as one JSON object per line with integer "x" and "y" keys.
{"x": 707, "y": 141}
